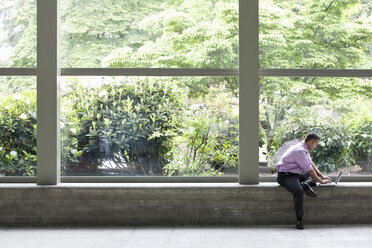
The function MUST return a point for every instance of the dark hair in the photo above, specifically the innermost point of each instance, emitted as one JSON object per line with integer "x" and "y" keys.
{"x": 311, "y": 136}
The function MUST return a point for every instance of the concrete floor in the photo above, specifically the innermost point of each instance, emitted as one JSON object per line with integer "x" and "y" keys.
{"x": 182, "y": 237}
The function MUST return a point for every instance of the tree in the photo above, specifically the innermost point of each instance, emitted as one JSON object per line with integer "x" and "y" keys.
{"x": 20, "y": 26}
{"x": 315, "y": 35}
{"x": 92, "y": 29}
{"x": 193, "y": 34}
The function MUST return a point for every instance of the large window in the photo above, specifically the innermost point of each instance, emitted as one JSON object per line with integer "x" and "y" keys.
{"x": 149, "y": 126}
{"x": 171, "y": 89}
{"x": 18, "y": 112}
{"x": 144, "y": 119}
{"x": 338, "y": 109}
{"x": 306, "y": 41}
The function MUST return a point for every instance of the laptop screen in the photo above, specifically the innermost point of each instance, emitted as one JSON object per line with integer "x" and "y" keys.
{"x": 338, "y": 177}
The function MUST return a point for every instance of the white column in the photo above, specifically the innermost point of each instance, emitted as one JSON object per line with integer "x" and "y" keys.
{"x": 248, "y": 92}
{"x": 48, "y": 74}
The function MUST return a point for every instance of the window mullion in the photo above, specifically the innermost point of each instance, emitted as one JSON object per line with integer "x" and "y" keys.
{"x": 248, "y": 92}
{"x": 48, "y": 74}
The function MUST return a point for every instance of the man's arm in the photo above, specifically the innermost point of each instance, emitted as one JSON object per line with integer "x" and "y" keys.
{"x": 314, "y": 176}
{"x": 319, "y": 174}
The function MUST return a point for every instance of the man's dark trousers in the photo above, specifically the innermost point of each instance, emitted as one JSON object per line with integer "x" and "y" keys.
{"x": 292, "y": 182}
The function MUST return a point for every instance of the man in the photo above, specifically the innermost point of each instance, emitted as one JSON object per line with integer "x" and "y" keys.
{"x": 297, "y": 173}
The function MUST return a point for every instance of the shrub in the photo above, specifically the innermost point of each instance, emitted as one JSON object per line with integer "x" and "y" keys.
{"x": 334, "y": 140}
{"x": 361, "y": 140}
{"x": 208, "y": 144}
{"x": 121, "y": 126}
{"x": 18, "y": 134}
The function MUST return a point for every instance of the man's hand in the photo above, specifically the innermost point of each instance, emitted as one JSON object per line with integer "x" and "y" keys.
{"x": 319, "y": 179}
{"x": 326, "y": 178}
{"x": 326, "y": 181}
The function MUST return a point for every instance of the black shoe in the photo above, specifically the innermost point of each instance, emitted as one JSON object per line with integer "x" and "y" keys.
{"x": 308, "y": 190}
{"x": 299, "y": 225}
{"x": 312, "y": 184}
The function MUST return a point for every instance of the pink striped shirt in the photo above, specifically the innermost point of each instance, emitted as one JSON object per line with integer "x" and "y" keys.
{"x": 296, "y": 160}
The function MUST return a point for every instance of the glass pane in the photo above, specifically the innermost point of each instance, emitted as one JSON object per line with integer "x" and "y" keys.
{"x": 18, "y": 33}
{"x": 338, "y": 109}
{"x": 149, "y": 126}
{"x": 313, "y": 34}
{"x": 17, "y": 126}
{"x": 150, "y": 33}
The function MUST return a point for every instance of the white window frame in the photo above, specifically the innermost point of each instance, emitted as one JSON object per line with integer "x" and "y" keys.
{"x": 48, "y": 73}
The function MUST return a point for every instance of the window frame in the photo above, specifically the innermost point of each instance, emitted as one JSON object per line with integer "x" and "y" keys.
{"x": 48, "y": 73}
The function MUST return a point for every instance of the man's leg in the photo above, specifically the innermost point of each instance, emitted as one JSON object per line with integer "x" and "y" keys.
{"x": 292, "y": 183}
{"x": 306, "y": 178}
{"x": 307, "y": 181}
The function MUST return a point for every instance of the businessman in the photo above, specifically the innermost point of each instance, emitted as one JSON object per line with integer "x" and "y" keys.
{"x": 297, "y": 173}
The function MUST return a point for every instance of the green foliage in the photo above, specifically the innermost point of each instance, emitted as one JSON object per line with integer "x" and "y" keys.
{"x": 208, "y": 144}
{"x": 312, "y": 34}
{"x": 361, "y": 140}
{"x": 123, "y": 126}
{"x": 20, "y": 23}
{"x": 283, "y": 98}
{"x": 189, "y": 35}
{"x": 334, "y": 140}
{"x": 87, "y": 41}
{"x": 18, "y": 134}
{"x": 192, "y": 34}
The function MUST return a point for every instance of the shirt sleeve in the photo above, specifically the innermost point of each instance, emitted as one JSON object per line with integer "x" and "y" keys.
{"x": 311, "y": 161}
{"x": 304, "y": 160}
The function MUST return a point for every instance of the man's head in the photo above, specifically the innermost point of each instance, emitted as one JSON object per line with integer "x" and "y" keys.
{"x": 312, "y": 140}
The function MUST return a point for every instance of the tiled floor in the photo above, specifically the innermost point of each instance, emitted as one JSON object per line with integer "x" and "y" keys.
{"x": 182, "y": 237}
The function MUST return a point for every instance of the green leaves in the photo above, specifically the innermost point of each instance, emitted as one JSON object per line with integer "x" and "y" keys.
{"x": 361, "y": 139}
{"x": 18, "y": 134}
{"x": 120, "y": 131}
{"x": 191, "y": 35}
{"x": 208, "y": 141}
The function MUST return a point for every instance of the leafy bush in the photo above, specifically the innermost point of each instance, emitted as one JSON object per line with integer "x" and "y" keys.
{"x": 18, "y": 134}
{"x": 122, "y": 126}
{"x": 334, "y": 140}
{"x": 208, "y": 144}
{"x": 361, "y": 140}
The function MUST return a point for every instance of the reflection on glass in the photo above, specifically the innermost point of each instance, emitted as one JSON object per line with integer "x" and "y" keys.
{"x": 338, "y": 109}
{"x": 313, "y": 34}
{"x": 148, "y": 126}
{"x": 149, "y": 33}
{"x": 18, "y": 33}
{"x": 17, "y": 126}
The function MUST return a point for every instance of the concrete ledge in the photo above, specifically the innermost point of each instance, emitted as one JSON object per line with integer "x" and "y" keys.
{"x": 178, "y": 204}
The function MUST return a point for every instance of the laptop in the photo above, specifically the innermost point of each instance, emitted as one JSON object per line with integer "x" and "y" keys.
{"x": 338, "y": 178}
